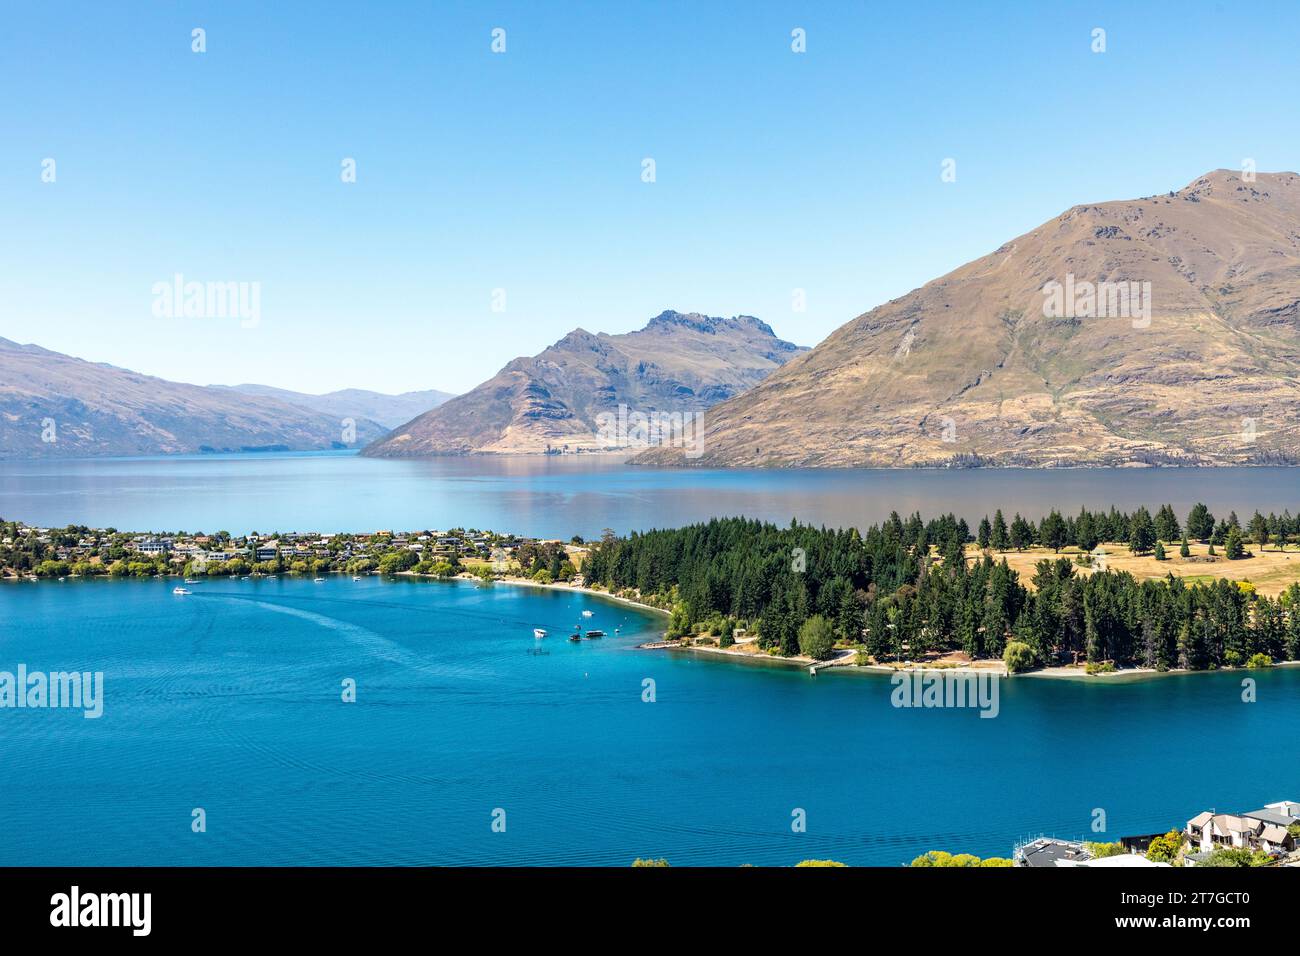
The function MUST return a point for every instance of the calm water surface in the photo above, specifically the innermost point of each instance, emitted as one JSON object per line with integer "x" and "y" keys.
{"x": 229, "y": 700}
{"x": 560, "y": 497}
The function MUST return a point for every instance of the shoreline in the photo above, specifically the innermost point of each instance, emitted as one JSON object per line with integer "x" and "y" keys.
{"x": 844, "y": 663}
{"x": 525, "y": 582}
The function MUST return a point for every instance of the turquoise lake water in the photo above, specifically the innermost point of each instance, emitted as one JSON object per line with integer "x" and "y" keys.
{"x": 229, "y": 699}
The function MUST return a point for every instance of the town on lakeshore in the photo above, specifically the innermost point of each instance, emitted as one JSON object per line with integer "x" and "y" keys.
{"x": 1099, "y": 593}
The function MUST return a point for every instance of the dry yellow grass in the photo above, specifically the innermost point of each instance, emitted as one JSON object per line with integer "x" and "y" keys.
{"x": 1270, "y": 571}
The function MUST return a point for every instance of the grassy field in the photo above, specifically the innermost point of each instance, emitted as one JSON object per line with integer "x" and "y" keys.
{"x": 1271, "y": 571}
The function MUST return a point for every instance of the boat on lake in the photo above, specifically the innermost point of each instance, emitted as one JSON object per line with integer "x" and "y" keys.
{"x": 539, "y": 632}
{"x": 586, "y": 614}
{"x": 575, "y": 637}
{"x": 591, "y": 634}
{"x": 180, "y": 590}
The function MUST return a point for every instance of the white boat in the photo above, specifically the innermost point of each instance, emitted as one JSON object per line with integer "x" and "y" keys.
{"x": 191, "y": 581}
{"x": 539, "y": 632}
{"x": 586, "y": 614}
{"x": 355, "y": 578}
{"x": 318, "y": 581}
{"x": 181, "y": 591}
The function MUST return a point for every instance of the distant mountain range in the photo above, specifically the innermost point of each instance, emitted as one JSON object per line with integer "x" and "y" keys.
{"x": 678, "y": 364}
{"x": 55, "y": 405}
{"x": 1163, "y": 330}
{"x": 388, "y": 410}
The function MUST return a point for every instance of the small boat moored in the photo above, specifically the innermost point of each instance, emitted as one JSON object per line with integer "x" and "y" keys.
{"x": 591, "y": 634}
{"x": 586, "y": 614}
{"x": 179, "y": 590}
{"x": 539, "y": 632}
{"x": 575, "y": 637}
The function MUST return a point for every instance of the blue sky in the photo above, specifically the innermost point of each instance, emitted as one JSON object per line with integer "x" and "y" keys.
{"x": 521, "y": 171}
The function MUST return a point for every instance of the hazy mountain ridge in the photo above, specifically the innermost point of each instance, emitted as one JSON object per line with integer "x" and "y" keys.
{"x": 676, "y": 363}
{"x": 968, "y": 369}
{"x": 55, "y": 405}
{"x": 356, "y": 403}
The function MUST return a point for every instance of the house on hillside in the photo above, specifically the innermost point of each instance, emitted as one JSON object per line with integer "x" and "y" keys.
{"x": 1266, "y": 830}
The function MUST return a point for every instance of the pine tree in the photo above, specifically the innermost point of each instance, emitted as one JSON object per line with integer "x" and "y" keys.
{"x": 985, "y": 532}
{"x": 1200, "y": 523}
{"x": 1233, "y": 549}
{"x": 1167, "y": 528}
{"x": 1142, "y": 532}
{"x": 1022, "y": 535}
{"x": 1052, "y": 533}
{"x": 1160, "y": 551}
{"x": 1259, "y": 530}
{"x": 1184, "y": 551}
{"x": 1000, "y": 539}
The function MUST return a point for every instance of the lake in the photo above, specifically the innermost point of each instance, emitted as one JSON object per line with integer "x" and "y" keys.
{"x": 560, "y": 497}
{"x": 229, "y": 700}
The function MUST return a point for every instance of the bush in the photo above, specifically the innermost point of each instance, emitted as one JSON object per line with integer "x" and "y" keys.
{"x": 659, "y": 862}
{"x": 1163, "y": 849}
{"x": 1236, "y": 856}
{"x": 1018, "y": 657}
{"x": 1259, "y": 660}
{"x": 1099, "y": 667}
{"x": 819, "y": 863}
{"x": 942, "y": 858}
{"x": 1099, "y": 851}
{"x": 817, "y": 638}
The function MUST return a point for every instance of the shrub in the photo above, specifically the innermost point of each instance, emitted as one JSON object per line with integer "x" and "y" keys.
{"x": 1163, "y": 849}
{"x": 1236, "y": 856}
{"x": 1099, "y": 851}
{"x": 659, "y": 862}
{"x": 1259, "y": 660}
{"x": 942, "y": 858}
{"x": 819, "y": 863}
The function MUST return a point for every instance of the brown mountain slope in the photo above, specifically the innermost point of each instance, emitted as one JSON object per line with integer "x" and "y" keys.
{"x": 55, "y": 405}
{"x": 976, "y": 367}
{"x": 677, "y": 363}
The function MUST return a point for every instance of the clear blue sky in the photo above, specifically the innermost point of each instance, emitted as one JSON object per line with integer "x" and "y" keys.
{"x": 522, "y": 170}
